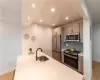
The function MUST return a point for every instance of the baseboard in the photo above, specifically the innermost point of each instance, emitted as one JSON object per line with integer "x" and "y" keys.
{"x": 86, "y": 78}
{"x": 96, "y": 61}
{"x": 7, "y": 71}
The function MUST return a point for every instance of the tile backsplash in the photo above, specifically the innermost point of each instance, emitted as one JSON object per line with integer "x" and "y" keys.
{"x": 75, "y": 45}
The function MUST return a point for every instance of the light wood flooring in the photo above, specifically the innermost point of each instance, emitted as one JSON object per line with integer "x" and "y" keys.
{"x": 9, "y": 76}
{"x": 96, "y": 70}
{"x": 96, "y": 73}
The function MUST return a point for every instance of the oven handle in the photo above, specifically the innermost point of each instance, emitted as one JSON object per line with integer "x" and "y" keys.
{"x": 71, "y": 56}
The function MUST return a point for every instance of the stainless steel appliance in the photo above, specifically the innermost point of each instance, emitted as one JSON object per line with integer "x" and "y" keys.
{"x": 73, "y": 37}
{"x": 56, "y": 43}
{"x": 71, "y": 58}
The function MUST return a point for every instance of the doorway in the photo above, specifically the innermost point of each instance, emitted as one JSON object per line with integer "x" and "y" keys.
{"x": 96, "y": 51}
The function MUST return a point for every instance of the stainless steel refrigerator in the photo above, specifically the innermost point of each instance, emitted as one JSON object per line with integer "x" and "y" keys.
{"x": 56, "y": 42}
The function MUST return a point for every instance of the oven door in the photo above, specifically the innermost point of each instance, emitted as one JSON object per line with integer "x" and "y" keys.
{"x": 71, "y": 61}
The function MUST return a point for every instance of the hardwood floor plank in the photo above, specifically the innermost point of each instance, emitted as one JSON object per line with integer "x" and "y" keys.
{"x": 8, "y": 76}
{"x": 96, "y": 71}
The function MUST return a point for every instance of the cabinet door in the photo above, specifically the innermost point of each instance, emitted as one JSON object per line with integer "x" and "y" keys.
{"x": 73, "y": 28}
{"x": 81, "y": 32}
{"x": 76, "y": 28}
{"x": 69, "y": 29}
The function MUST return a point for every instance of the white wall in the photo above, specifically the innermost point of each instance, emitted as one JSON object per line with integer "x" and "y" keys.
{"x": 10, "y": 34}
{"x": 96, "y": 42}
{"x": 87, "y": 50}
{"x": 43, "y": 39}
{"x": 87, "y": 22}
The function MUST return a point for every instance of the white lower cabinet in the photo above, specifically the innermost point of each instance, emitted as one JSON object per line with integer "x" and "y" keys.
{"x": 80, "y": 62}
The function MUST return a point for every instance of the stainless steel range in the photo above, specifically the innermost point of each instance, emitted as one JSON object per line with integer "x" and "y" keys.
{"x": 71, "y": 58}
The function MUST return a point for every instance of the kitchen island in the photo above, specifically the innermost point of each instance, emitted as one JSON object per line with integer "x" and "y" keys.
{"x": 29, "y": 69}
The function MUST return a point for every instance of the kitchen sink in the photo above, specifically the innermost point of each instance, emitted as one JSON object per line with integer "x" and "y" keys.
{"x": 43, "y": 58}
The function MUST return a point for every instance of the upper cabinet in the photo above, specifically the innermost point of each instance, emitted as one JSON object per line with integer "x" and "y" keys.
{"x": 81, "y": 32}
{"x": 57, "y": 31}
{"x": 73, "y": 28}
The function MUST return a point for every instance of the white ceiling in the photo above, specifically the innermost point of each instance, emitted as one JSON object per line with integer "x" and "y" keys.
{"x": 63, "y": 8}
{"x": 94, "y": 10}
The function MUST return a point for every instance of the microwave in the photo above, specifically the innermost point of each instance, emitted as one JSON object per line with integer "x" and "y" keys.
{"x": 73, "y": 37}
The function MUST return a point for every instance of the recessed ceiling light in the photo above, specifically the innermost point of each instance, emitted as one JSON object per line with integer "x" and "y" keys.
{"x": 53, "y": 24}
{"x": 40, "y": 20}
{"x": 28, "y": 18}
{"x": 66, "y": 18}
{"x": 53, "y": 9}
{"x": 33, "y": 5}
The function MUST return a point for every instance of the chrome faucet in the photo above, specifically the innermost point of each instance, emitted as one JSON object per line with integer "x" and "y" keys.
{"x": 37, "y": 51}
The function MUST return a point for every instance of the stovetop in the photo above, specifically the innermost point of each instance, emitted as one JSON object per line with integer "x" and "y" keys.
{"x": 72, "y": 53}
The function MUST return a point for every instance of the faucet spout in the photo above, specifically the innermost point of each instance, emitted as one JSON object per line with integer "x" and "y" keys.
{"x": 37, "y": 51}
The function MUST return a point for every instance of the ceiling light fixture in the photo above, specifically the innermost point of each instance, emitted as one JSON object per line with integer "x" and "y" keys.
{"x": 40, "y": 20}
{"x": 33, "y": 5}
{"x": 53, "y": 9}
{"x": 53, "y": 24}
{"x": 28, "y": 18}
{"x": 66, "y": 18}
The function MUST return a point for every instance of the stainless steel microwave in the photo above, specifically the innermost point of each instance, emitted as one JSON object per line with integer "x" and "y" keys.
{"x": 73, "y": 37}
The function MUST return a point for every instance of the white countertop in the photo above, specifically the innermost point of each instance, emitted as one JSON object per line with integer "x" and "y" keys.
{"x": 29, "y": 69}
{"x": 81, "y": 54}
{"x": 63, "y": 49}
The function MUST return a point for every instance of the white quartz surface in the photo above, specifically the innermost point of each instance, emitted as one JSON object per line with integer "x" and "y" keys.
{"x": 29, "y": 69}
{"x": 80, "y": 54}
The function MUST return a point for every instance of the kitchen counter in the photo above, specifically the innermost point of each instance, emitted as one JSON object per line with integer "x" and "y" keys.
{"x": 81, "y": 54}
{"x": 29, "y": 69}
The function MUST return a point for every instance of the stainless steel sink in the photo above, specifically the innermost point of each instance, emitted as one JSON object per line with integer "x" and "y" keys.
{"x": 43, "y": 58}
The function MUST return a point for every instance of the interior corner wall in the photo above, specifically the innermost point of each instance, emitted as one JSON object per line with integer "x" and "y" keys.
{"x": 10, "y": 35}
{"x": 87, "y": 50}
{"x": 96, "y": 42}
{"x": 87, "y": 46}
{"x": 43, "y": 35}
